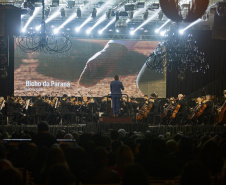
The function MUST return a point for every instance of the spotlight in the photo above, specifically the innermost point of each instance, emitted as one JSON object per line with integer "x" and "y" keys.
{"x": 29, "y": 5}
{"x": 157, "y": 31}
{"x": 108, "y": 13}
{"x": 79, "y": 13}
{"x": 181, "y": 32}
{"x": 38, "y": 28}
{"x": 88, "y": 32}
{"x": 77, "y": 29}
{"x": 56, "y": 31}
{"x": 62, "y": 12}
{"x": 160, "y": 16}
{"x": 55, "y": 3}
{"x": 129, "y": 7}
{"x": 121, "y": 25}
{"x": 140, "y": 4}
{"x": 117, "y": 30}
{"x": 132, "y": 33}
{"x": 94, "y": 13}
{"x": 100, "y": 32}
{"x": 70, "y": 4}
{"x": 47, "y": 11}
{"x": 162, "y": 33}
{"x": 131, "y": 15}
{"x": 153, "y": 6}
{"x": 145, "y": 15}
{"x": 23, "y": 30}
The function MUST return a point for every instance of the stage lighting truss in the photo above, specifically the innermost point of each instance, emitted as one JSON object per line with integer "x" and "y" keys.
{"x": 41, "y": 42}
{"x": 177, "y": 52}
{"x": 30, "y": 7}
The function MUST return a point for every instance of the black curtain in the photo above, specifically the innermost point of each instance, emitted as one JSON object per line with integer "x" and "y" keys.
{"x": 199, "y": 84}
{"x": 7, "y": 84}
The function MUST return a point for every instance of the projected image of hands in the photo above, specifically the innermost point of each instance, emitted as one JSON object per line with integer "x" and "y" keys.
{"x": 90, "y": 65}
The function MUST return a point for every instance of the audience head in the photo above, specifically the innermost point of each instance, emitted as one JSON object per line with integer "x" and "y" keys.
{"x": 134, "y": 175}
{"x": 59, "y": 174}
{"x": 124, "y": 156}
{"x": 195, "y": 173}
{"x": 185, "y": 144}
{"x": 43, "y": 127}
{"x": 11, "y": 176}
{"x": 171, "y": 146}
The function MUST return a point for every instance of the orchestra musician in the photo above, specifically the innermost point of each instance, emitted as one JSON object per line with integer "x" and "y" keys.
{"x": 134, "y": 107}
{"x": 41, "y": 108}
{"x": 205, "y": 111}
{"x": 221, "y": 107}
{"x": 92, "y": 110}
{"x": 2, "y": 109}
{"x": 18, "y": 109}
{"x": 123, "y": 106}
{"x": 179, "y": 115}
{"x": 105, "y": 105}
{"x": 14, "y": 110}
{"x": 65, "y": 109}
{"x": 154, "y": 103}
{"x": 193, "y": 110}
{"x": 168, "y": 110}
{"x": 144, "y": 101}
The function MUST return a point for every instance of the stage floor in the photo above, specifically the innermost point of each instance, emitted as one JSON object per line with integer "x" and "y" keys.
{"x": 129, "y": 127}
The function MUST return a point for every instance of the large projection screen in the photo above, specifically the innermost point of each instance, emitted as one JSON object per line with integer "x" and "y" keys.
{"x": 88, "y": 68}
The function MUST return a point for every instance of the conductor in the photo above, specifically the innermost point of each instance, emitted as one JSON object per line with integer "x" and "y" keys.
{"x": 116, "y": 94}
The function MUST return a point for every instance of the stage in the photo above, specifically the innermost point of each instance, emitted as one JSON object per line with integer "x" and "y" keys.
{"x": 129, "y": 127}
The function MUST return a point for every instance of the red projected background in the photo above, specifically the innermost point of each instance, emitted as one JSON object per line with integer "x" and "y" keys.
{"x": 88, "y": 68}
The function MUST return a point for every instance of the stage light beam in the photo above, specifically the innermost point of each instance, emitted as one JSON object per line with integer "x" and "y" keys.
{"x": 100, "y": 10}
{"x": 165, "y": 23}
{"x": 147, "y": 21}
{"x": 38, "y": 9}
{"x": 54, "y": 15}
{"x": 190, "y": 25}
{"x": 98, "y": 22}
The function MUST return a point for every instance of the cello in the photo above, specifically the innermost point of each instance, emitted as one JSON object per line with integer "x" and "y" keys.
{"x": 144, "y": 111}
{"x": 176, "y": 110}
{"x": 221, "y": 112}
{"x": 201, "y": 110}
{"x": 141, "y": 114}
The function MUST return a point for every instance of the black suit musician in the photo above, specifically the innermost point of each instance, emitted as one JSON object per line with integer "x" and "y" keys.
{"x": 155, "y": 109}
{"x": 207, "y": 110}
{"x": 65, "y": 109}
{"x": 42, "y": 109}
{"x": 180, "y": 111}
